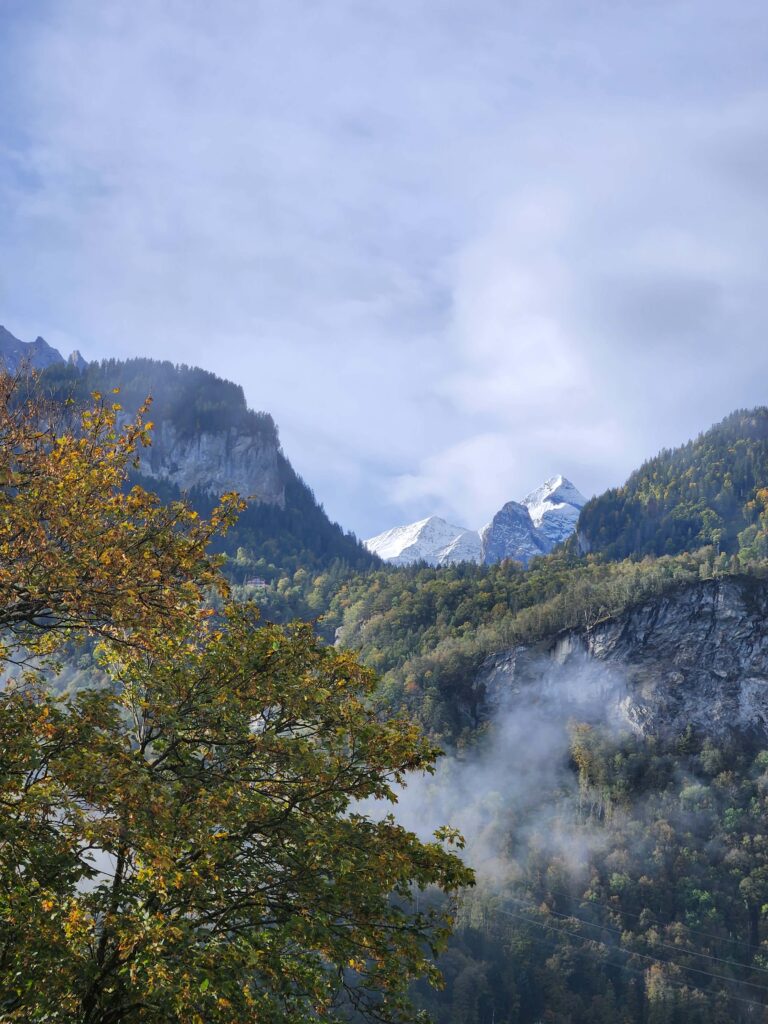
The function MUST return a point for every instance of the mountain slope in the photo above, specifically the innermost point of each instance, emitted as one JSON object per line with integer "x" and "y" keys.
{"x": 431, "y": 540}
{"x": 206, "y": 441}
{"x": 617, "y": 806}
{"x": 705, "y": 492}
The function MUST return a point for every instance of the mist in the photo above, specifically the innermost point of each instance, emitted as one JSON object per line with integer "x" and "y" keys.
{"x": 517, "y": 791}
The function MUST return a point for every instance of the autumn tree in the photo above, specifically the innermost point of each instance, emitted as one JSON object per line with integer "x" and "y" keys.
{"x": 81, "y": 552}
{"x": 189, "y": 842}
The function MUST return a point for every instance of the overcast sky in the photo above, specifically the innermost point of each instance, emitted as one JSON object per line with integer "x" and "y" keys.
{"x": 453, "y": 246}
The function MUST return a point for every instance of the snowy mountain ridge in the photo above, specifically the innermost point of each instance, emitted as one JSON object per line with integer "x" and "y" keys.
{"x": 430, "y": 540}
{"x": 520, "y": 530}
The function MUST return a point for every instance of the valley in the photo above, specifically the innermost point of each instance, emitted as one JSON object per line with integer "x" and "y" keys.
{"x": 595, "y": 671}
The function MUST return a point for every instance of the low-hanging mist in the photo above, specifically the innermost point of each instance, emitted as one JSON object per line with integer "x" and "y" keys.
{"x": 516, "y": 788}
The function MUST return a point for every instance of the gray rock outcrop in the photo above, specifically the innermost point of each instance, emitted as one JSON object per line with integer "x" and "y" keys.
{"x": 229, "y": 460}
{"x": 511, "y": 534}
{"x": 696, "y": 656}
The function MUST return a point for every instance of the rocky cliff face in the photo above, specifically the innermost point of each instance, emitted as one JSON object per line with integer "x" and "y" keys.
{"x": 215, "y": 462}
{"x": 511, "y": 534}
{"x": 696, "y": 656}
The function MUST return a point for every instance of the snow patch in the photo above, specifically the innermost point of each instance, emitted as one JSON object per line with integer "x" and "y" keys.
{"x": 430, "y": 540}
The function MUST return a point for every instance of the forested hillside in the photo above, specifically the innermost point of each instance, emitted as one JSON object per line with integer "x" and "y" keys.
{"x": 271, "y": 537}
{"x": 623, "y": 877}
{"x": 705, "y": 492}
{"x": 634, "y": 895}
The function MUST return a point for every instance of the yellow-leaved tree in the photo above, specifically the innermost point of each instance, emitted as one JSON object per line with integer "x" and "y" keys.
{"x": 185, "y": 843}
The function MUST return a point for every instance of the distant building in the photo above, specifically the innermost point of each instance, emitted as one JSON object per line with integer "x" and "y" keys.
{"x": 256, "y": 581}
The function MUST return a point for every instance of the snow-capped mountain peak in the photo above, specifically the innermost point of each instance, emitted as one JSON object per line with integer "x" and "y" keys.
{"x": 553, "y": 493}
{"x": 554, "y": 508}
{"x": 520, "y": 530}
{"x": 430, "y": 540}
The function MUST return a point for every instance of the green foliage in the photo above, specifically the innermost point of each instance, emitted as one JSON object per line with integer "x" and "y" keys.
{"x": 656, "y": 909}
{"x": 235, "y": 877}
{"x": 703, "y": 493}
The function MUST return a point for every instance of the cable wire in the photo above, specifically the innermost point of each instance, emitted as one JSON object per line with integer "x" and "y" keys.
{"x": 642, "y": 956}
{"x": 685, "y": 986}
{"x": 666, "y": 945}
{"x": 629, "y": 913}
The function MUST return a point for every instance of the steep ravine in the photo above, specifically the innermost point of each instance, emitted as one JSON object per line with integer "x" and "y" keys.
{"x": 696, "y": 656}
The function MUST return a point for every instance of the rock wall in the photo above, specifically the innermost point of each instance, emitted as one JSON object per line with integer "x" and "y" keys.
{"x": 217, "y": 462}
{"x": 696, "y": 656}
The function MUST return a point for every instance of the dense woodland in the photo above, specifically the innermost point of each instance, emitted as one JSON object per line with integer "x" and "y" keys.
{"x": 702, "y": 493}
{"x": 659, "y": 917}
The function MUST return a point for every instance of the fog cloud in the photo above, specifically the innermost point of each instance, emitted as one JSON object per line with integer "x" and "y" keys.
{"x": 516, "y": 790}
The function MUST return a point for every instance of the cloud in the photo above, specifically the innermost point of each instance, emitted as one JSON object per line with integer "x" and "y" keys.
{"x": 453, "y": 248}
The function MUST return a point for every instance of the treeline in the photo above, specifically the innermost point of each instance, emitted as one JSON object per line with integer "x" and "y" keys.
{"x": 705, "y": 492}
{"x": 192, "y": 399}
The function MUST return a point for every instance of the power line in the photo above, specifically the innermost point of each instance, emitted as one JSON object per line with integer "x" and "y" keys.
{"x": 637, "y": 917}
{"x": 667, "y": 945}
{"x": 642, "y": 956}
{"x": 641, "y": 973}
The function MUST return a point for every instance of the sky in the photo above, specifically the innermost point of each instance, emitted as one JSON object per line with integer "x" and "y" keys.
{"x": 455, "y": 247}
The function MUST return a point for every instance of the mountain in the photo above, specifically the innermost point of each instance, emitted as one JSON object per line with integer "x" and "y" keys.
{"x": 431, "y": 540}
{"x": 206, "y": 441}
{"x": 706, "y": 492}
{"x": 520, "y": 530}
{"x": 554, "y": 509}
{"x": 37, "y": 354}
{"x": 511, "y": 534}
{"x": 535, "y": 526}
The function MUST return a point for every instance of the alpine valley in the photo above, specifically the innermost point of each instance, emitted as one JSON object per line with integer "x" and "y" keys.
{"x": 596, "y": 672}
